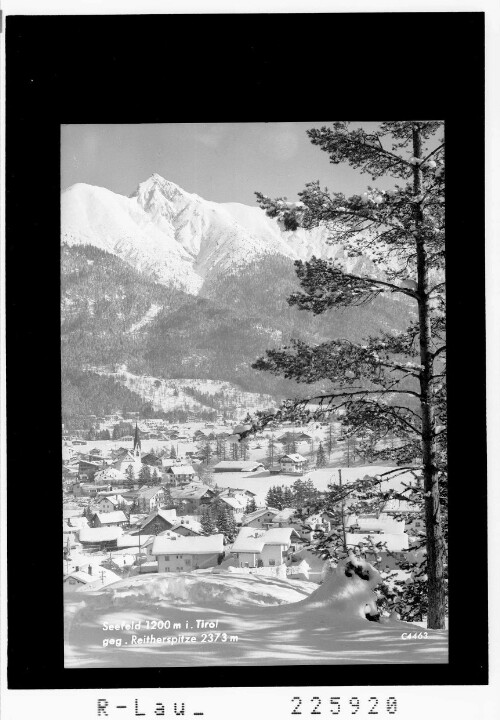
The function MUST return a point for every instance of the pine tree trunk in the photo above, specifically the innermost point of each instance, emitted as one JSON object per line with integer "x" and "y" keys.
{"x": 434, "y": 531}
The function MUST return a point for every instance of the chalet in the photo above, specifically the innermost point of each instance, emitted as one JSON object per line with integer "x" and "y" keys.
{"x": 293, "y": 464}
{"x": 157, "y": 521}
{"x": 116, "y": 518}
{"x": 109, "y": 476}
{"x": 110, "y": 503}
{"x": 238, "y": 466}
{"x": 187, "y": 553}
{"x": 87, "y": 470}
{"x": 188, "y": 526}
{"x": 149, "y": 498}
{"x": 152, "y": 460}
{"x": 96, "y": 577}
{"x": 260, "y": 518}
{"x": 182, "y": 473}
{"x": 100, "y": 538}
{"x": 191, "y": 498}
{"x": 254, "y": 548}
{"x": 234, "y": 504}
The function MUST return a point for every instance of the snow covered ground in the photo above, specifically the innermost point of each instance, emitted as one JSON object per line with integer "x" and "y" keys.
{"x": 259, "y": 621}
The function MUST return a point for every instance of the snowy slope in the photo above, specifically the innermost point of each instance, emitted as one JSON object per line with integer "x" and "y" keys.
{"x": 178, "y": 237}
{"x": 275, "y": 622}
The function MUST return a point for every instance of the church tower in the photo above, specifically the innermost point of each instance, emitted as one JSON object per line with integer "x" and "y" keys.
{"x": 137, "y": 443}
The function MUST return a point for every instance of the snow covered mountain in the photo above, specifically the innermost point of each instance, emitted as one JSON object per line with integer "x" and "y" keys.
{"x": 178, "y": 238}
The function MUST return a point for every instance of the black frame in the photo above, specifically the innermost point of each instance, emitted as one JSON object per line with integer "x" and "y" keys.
{"x": 99, "y": 69}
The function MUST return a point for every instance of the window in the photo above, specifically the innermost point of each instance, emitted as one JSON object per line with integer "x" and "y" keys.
{"x": 166, "y": 557}
{"x": 272, "y": 562}
{"x": 188, "y": 561}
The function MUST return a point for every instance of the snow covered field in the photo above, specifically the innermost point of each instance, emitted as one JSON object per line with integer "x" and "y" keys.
{"x": 260, "y": 621}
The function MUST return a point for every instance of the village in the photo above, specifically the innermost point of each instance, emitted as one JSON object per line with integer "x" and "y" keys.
{"x": 178, "y": 498}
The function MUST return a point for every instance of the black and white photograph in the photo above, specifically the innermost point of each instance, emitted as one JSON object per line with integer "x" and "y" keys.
{"x": 254, "y": 393}
{"x": 245, "y": 361}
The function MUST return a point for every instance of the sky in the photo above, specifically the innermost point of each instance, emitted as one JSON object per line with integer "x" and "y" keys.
{"x": 222, "y": 162}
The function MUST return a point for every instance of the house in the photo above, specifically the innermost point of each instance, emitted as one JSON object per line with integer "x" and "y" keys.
{"x": 181, "y": 473}
{"x": 380, "y": 523}
{"x": 102, "y": 538}
{"x": 293, "y": 464}
{"x": 116, "y": 518}
{"x": 157, "y": 521}
{"x": 260, "y": 518}
{"x": 395, "y": 546}
{"x": 149, "y": 498}
{"x": 109, "y": 503}
{"x": 187, "y": 553}
{"x": 109, "y": 476}
{"x": 234, "y": 503}
{"x": 188, "y": 526}
{"x": 254, "y": 548}
{"x": 87, "y": 469}
{"x": 95, "y": 578}
{"x": 152, "y": 460}
{"x": 191, "y": 498}
{"x": 238, "y": 466}
{"x": 410, "y": 513}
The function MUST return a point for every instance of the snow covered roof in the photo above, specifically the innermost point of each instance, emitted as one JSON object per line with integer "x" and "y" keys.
{"x": 382, "y": 523}
{"x": 190, "y": 492}
{"x": 234, "y": 502}
{"x": 80, "y": 575}
{"x": 285, "y": 515}
{"x": 168, "y": 515}
{"x": 258, "y": 513}
{"x": 394, "y": 542}
{"x": 110, "y": 473}
{"x": 193, "y": 525}
{"x": 182, "y": 469}
{"x": 149, "y": 493}
{"x": 185, "y": 544}
{"x": 238, "y": 465}
{"x": 100, "y": 534}
{"x": 296, "y": 457}
{"x": 78, "y": 522}
{"x": 249, "y": 540}
{"x": 400, "y": 506}
{"x": 252, "y": 540}
{"x": 129, "y": 541}
{"x": 112, "y": 517}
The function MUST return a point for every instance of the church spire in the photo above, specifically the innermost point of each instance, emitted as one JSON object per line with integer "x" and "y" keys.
{"x": 137, "y": 442}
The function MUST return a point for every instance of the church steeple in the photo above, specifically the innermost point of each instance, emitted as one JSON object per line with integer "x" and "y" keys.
{"x": 137, "y": 443}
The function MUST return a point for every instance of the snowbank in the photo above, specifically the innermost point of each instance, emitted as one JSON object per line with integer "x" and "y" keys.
{"x": 271, "y": 620}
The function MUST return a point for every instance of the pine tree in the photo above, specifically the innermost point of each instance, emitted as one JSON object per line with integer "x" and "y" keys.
{"x": 130, "y": 474}
{"x": 173, "y": 454}
{"x": 330, "y": 440}
{"x": 299, "y": 493}
{"x": 145, "y": 475}
{"x": 207, "y": 522}
{"x": 250, "y": 506}
{"x": 393, "y": 381}
{"x": 288, "y": 497}
{"x": 244, "y": 449}
{"x": 226, "y": 524}
{"x": 271, "y": 450}
{"x": 207, "y": 451}
{"x": 320, "y": 456}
